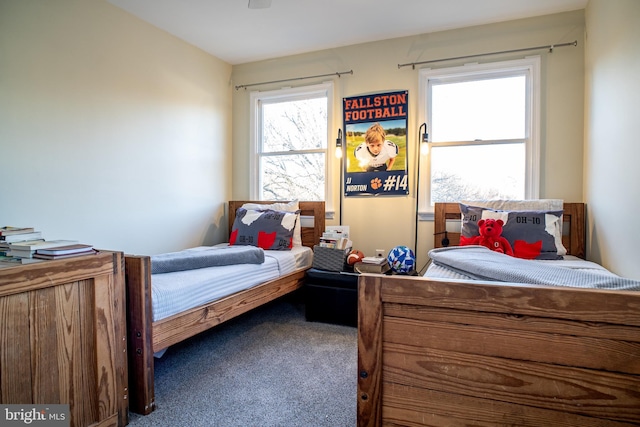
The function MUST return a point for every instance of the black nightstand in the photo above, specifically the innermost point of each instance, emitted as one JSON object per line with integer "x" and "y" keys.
{"x": 331, "y": 297}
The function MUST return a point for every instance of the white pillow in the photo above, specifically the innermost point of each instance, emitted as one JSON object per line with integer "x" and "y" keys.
{"x": 293, "y": 206}
{"x": 519, "y": 205}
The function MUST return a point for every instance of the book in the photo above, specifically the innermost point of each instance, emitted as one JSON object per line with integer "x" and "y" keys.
{"x": 41, "y": 244}
{"x": 21, "y": 237}
{"x": 363, "y": 267}
{"x": 7, "y": 246}
{"x": 377, "y": 260}
{"x": 16, "y": 253}
{"x": 8, "y": 230}
{"x": 338, "y": 230}
{"x": 65, "y": 250}
{"x": 7, "y": 261}
{"x": 71, "y": 255}
{"x": 8, "y": 250}
{"x": 327, "y": 243}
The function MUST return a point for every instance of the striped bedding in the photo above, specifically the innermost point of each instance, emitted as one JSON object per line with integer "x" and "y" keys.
{"x": 179, "y": 291}
{"x": 479, "y": 263}
{"x": 436, "y": 271}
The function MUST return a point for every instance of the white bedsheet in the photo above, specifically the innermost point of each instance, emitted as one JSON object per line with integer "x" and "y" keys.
{"x": 178, "y": 291}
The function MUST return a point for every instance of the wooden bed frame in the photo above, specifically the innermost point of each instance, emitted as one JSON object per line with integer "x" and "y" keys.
{"x": 146, "y": 337}
{"x": 453, "y": 353}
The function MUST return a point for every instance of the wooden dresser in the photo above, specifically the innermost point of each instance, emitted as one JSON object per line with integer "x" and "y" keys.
{"x": 63, "y": 337}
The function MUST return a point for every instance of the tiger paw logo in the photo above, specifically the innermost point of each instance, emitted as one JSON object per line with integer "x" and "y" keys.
{"x": 376, "y": 183}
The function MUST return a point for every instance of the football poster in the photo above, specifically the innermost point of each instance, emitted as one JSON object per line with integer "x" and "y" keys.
{"x": 375, "y": 129}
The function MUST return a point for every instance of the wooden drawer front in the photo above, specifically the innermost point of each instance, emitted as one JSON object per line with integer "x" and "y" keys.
{"x": 64, "y": 343}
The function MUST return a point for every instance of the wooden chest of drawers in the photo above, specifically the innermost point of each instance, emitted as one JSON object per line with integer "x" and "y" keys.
{"x": 63, "y": 337}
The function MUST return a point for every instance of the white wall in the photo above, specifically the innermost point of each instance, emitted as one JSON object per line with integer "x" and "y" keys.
{"x": 113, "y": 132}
{"x": 612, "y": 143}
{"x": 385, "y": 222}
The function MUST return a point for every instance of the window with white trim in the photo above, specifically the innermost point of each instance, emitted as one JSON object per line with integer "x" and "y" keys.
{"x": 483, "y": 132}
{"x": 289, "y": 134}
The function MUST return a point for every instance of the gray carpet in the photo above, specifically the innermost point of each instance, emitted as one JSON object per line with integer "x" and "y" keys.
{"x": 269, "y": 367}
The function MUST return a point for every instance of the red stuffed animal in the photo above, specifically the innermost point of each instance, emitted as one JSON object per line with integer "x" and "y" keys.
{"x": 490, "y": 236}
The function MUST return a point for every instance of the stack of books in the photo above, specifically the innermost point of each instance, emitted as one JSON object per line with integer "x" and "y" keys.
{"x": 372, "y": 264}
{"x": 28, "y": 249}
{"x": 23, "y": 245}
{"x": 336, "y": 237}
{"x": 9, "y": 234}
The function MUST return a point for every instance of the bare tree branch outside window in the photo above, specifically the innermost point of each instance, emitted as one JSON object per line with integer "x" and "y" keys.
{"x": 293, "y": 154}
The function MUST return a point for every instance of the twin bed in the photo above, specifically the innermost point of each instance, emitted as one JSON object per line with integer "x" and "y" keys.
{"x": 159, "y": 316}
{"x": 459, "y": 352}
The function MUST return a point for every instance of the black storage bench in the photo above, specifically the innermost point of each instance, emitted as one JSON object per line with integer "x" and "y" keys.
{"x": 331, "y": 297}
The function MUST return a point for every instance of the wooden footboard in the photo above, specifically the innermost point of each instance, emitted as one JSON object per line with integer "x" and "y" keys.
{"x": 450, "y": 354}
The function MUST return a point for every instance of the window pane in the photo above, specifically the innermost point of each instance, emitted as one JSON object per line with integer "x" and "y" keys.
{"x": 286, "y": 177}
{"x": 294, "y": 125}
{"x": 479, "y": 110}
{"x": 476, "y": 172}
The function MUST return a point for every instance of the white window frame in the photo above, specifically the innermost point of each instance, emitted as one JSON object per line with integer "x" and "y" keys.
{"x": 531, "y": 67}
{"x": 255, "y": 135}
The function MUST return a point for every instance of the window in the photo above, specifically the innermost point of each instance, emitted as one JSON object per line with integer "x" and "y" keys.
{"x": 289, "y": 138}
{"x": 484, "y": 141}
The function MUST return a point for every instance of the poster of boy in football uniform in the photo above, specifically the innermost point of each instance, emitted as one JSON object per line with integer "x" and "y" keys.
{"x": 376, "y": 144}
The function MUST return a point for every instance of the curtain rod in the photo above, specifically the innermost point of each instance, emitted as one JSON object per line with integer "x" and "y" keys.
{"x": 550, "y": 47}
{"x": 340, "y": 73}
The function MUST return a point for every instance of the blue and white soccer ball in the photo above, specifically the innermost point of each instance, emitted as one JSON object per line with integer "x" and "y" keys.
{"x": 401, "y": 259}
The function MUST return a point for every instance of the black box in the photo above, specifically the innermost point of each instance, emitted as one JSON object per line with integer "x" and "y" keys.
{"x": 331, "y": 297}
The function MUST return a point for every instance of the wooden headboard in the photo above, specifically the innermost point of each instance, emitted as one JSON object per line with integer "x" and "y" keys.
{"x": 310, "y": 233}
{"x": 573, "y": 237}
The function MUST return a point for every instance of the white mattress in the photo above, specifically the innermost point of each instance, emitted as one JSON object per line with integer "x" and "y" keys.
{"x": 178, "y": 291}
{"x": 438, "y": 272}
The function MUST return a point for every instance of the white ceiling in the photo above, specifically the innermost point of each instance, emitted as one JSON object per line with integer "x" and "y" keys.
{"x": 231, "y": 31}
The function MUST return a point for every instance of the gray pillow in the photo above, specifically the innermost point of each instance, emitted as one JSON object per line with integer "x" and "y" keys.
{"x": 266, "y": 229}
{"x": 532, "y": 234}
